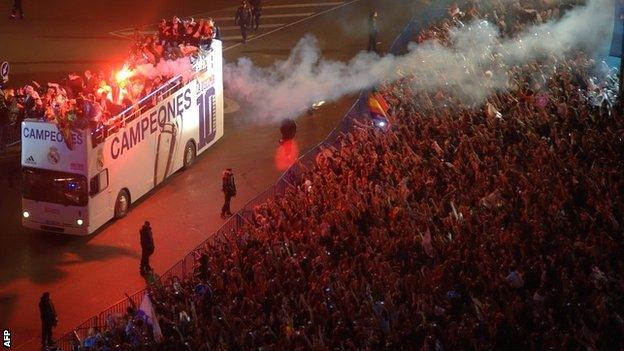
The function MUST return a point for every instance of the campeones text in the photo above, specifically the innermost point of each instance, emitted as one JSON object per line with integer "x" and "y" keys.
{"x": 148, "y": 125}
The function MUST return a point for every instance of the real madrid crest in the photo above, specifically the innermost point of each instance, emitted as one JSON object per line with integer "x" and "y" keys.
{"x": 53, "y": 156}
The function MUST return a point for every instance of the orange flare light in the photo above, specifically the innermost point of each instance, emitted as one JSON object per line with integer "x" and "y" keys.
{"x": 286, "y": 154}
{"x": 123, "y": 74}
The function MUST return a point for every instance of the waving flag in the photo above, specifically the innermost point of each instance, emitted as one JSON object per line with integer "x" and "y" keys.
{"x": 381, "y": 100}
{"x": 376, "y": 107}
{"x": 146, "y": 312}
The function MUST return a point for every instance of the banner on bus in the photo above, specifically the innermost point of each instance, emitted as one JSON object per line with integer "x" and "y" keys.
{"x": 43, "y": 146}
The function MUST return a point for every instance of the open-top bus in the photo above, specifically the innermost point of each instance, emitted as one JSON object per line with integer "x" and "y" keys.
{"x": 76, "y": 187}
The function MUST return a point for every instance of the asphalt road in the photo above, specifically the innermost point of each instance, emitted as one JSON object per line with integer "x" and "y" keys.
{"x": 87, "y": 274}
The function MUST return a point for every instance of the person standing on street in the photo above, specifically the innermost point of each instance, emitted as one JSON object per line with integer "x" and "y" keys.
{"x": 147, "y": 247}
{"x": 243, "y": 19}
{"x": 229, "y": 191}
{"x": 256, "y": 11}
{"x": 48, "y": 319}
{"x": 17, "y": 6}
{"x": 372, "y": 32}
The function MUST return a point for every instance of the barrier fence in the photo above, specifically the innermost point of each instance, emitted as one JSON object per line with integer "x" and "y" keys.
{"x": 10, "y": 134}
{"x": 231, "y": 230}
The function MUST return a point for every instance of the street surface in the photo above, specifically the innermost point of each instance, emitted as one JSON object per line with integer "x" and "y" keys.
{"x": 87, "y": 274}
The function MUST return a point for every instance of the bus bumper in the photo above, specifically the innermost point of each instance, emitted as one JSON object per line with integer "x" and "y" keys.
{"x": 56, "y": 228}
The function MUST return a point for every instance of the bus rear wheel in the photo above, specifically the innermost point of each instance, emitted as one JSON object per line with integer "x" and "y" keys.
{"x": 189, "y": 154}
{"x": 122, "y": 205}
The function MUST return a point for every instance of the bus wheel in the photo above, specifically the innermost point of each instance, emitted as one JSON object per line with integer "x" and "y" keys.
{"x": 122, "y": 205}
{"x": 189, "y": 154}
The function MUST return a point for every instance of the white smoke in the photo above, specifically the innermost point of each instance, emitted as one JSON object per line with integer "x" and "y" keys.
{"x": 164, "y": 68}
{"x": 473, "y": 66}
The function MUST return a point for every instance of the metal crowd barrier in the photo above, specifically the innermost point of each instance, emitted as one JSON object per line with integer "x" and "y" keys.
{"x": 229, "y": 230}
{"x": 10, "y": 134}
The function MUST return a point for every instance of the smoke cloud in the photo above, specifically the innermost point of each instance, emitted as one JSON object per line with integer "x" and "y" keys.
{"x": 473, "y": 67}
{"x": 164, "y": 68}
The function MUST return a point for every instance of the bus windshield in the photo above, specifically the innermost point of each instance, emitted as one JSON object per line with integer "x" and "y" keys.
{"x": 55, "y": 187}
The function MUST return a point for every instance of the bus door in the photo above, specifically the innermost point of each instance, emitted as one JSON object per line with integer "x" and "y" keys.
{"x": 99, "y": 199}
{"x": 165, "y": 148}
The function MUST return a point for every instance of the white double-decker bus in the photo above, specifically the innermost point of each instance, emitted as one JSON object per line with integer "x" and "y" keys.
{"x": 76, "y": 190}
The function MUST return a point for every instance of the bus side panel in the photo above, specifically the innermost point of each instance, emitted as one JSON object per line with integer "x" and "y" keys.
{"x": 203, "y": 122}
{"x": 218, "y": 69}
{"x": 188, "y": 125}
{"x": 100, "y": 208}
{"x": 218, "y": 83}
{"x": 130, "y": 154}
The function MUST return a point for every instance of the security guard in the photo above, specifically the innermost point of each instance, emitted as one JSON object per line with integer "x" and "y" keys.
{"x": 229, "y": 191}
{"x": 147, "y": 247}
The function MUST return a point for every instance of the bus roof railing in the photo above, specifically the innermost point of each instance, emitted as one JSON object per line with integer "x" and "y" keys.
{"x": 129, "y": 114}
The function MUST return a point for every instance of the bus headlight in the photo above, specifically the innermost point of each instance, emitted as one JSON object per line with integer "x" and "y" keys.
{"x": 26, "y": 214}
{"x": 79, "y": 221}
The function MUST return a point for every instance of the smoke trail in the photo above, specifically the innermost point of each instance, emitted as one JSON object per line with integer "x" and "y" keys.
{"x": 472, "y": 67}
{"x": 164, "y": 68}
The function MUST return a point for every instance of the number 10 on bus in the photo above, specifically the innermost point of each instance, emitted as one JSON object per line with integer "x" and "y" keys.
{"x": 207, "y": 117}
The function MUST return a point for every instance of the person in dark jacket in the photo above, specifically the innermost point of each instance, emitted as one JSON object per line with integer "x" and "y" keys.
{"x": 48, "y": 319}
{"x": 147, "y": 247}
{"x": 243, "y": 19}
{"x": 372, "y": 31}
{"x": 229, "y": 191}
{"x": 288, "y": 129}
{"x": 256, "y": 10}
{"x": 74, "y": 85}
{"x": 17, "y": 6}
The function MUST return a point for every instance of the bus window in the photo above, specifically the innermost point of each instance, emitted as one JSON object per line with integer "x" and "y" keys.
{"x": 55, "y": 187}
{"x": 98, "y": 183}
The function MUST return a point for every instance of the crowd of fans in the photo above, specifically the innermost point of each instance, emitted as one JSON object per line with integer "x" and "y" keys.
{"x": 176, "y": 38}
{"x": 90, "y": 100}
{"x": 457, "y": 228}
